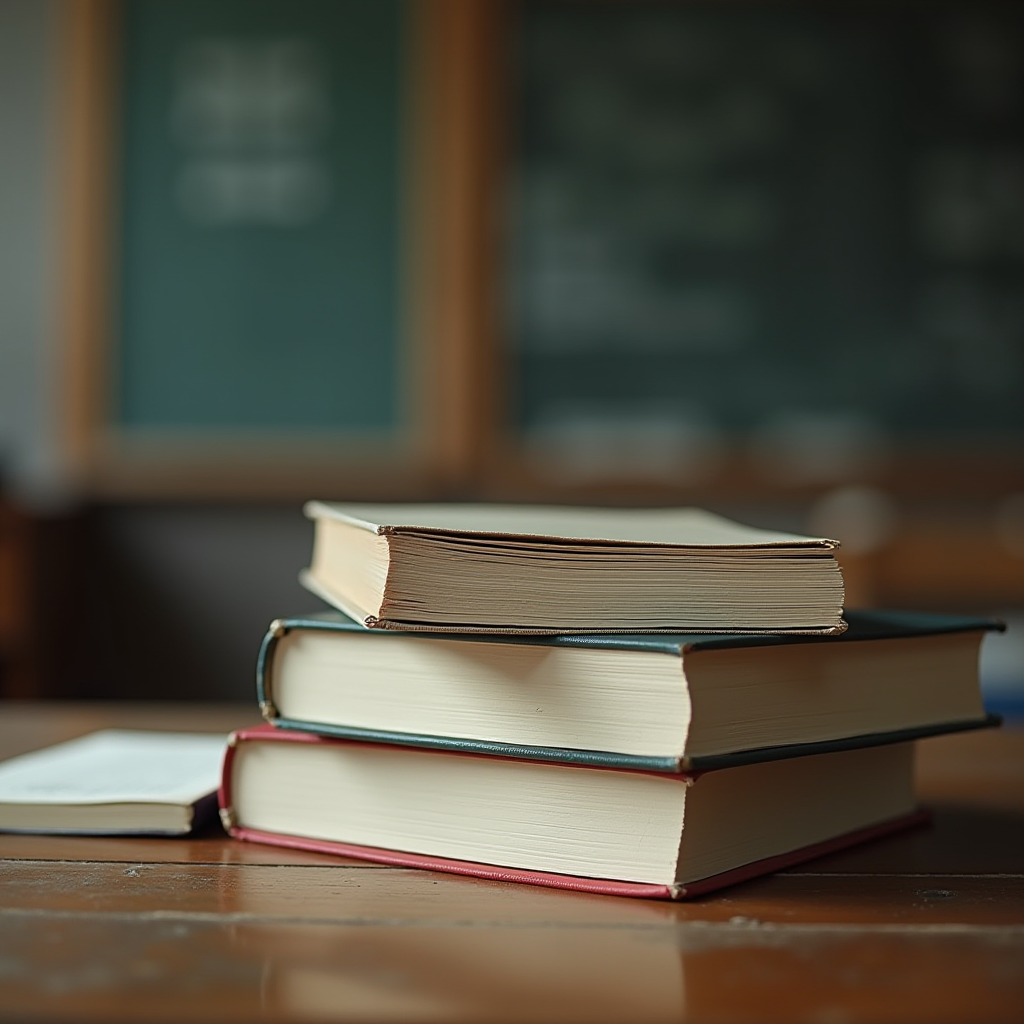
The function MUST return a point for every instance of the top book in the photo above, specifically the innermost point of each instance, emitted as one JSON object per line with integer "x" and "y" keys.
{"x": 534, "y": 569}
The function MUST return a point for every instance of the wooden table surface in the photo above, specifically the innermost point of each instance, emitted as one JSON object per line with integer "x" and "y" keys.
{"x": 924, "y": 926}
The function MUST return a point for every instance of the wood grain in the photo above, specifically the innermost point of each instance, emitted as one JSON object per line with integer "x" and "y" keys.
{"x": 923, "y": 926}
{"x": 351, "y": 894}
{"x": 99, "y": 967}
{"x": 453, "y": 266}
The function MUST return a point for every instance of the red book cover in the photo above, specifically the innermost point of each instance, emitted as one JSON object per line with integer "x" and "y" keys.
{"x": 604, "y": 886}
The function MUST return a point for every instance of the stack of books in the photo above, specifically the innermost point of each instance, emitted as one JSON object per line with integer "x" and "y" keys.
{"x": 646, "y": 703}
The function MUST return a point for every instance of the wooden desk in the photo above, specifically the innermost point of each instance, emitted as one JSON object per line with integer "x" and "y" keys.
{"x": 926, "y": 926}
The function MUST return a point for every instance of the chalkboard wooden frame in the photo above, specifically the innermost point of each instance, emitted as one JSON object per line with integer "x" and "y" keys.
{"x": 460, "y": 378}
{"x": 446, "y": 279}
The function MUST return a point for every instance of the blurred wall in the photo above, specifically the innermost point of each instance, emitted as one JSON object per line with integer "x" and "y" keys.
{"x": 127, "y": 600}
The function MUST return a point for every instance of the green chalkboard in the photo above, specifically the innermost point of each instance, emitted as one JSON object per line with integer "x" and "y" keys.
{"x": 259, "y": 215}
{"x": 733, "y": 217}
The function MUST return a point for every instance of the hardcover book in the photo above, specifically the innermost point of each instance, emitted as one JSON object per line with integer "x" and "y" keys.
{"x": 488, "y": 568}
{"x": 576, "y": 827}
{"x": 667, "y": 703}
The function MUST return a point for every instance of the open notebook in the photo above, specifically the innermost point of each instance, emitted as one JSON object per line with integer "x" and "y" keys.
{"x": 113, "y": 782}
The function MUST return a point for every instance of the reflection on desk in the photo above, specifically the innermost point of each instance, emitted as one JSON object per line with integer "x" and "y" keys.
{"x": 924, "y": 925}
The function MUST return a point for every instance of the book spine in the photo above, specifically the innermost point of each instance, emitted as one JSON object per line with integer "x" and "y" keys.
{"x": 264, "y": 665}
{"x": 225, "y": 808}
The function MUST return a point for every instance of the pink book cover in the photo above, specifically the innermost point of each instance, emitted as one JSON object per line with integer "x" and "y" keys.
{"x": 493, "y": 872}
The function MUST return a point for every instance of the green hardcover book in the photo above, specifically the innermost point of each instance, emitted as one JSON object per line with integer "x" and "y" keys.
{"x": 652, "y": 702}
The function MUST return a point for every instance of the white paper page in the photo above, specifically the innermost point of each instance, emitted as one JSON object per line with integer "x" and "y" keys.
{"x": 117, "y": 766}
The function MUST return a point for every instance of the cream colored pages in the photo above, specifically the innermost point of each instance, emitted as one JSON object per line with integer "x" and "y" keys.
{"x": 678, "y": 527}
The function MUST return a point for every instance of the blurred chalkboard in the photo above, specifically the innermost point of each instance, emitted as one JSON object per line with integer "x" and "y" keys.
{"x": 259, "y": 215}
{"x": 768, "y": 219}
